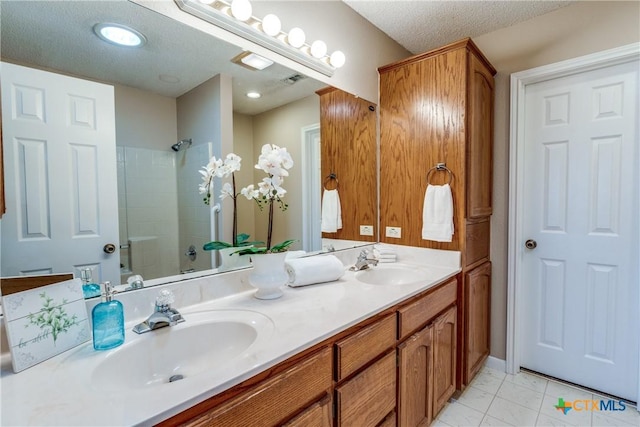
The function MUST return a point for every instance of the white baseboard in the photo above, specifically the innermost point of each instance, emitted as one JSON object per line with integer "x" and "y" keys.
{"x": 495, "y": 363}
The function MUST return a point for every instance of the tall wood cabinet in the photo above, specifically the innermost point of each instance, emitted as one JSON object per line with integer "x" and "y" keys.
{"x": 437, "y": 107}
{"x": 348, "y": 150}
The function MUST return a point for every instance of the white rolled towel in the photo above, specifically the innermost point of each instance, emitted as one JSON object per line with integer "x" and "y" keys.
{"x": 314, "y": 269}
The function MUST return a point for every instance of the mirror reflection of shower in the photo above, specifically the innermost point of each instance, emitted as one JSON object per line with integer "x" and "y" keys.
{"x": 183, "y": 144}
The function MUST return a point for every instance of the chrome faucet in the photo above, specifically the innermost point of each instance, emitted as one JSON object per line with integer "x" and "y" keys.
{"x": 162, "y": 316}
{"x": 363, "y": 262}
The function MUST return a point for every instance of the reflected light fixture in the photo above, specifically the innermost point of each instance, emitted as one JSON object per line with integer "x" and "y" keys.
{"x": 252, "y": 61}
{"x": 119, "y": 35}
{"x": 235, "y": 17}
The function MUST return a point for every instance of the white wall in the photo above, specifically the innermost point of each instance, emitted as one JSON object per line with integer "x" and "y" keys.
{"x": 282, "y": 126}
{"x": 205, "y": 116}
{"x": 243, "y": 147}
{"x": 144, "y": 119}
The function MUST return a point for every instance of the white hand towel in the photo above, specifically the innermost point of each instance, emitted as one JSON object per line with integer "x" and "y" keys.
{"x": 314, "y": 269}
{"x": 383, "y": 250}
{"x": 437, "y": 214}
{"x": 331, "y": 212}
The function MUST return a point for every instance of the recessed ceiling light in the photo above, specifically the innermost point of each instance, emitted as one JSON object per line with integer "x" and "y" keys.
{"x": 252, "y": 61}
{"x": 254, "y": 95}
{"x": 256, "y": 61}
{"x": 119, "y": 35}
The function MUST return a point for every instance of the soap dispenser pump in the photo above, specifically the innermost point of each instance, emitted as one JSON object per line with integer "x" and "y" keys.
{"x": 108, "y": 321}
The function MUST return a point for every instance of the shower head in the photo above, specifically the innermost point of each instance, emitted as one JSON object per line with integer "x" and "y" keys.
{"x": 183, "y": 143}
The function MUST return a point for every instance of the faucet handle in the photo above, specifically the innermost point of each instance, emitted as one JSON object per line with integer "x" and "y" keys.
{"x": 164, "y": 300}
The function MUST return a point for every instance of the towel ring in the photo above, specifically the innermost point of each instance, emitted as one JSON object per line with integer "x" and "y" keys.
{"x": 440, "y": 167}
{"x": 329, "y": 178}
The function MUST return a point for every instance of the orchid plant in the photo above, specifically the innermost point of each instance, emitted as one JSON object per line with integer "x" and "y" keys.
{"x": 275, "y": 162}
{"x": 223, "y": 169}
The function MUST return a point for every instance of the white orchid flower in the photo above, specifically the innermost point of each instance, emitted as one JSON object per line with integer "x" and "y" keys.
{"x": 250, "y": 192}
{"x": 227, "y": 191}
{"x": 232, "y": 162}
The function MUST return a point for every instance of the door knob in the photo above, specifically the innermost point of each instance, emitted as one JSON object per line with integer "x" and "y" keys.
{"x": 109, "y": 248}
{"x": 530, "y": 244}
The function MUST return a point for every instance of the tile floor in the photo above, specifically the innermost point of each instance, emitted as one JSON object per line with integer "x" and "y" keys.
{"x": 497, "y": 399}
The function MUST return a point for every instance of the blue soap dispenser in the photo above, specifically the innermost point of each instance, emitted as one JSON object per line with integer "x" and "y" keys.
{"x": 108, "y": 321}
{"x": 90, "y": 289}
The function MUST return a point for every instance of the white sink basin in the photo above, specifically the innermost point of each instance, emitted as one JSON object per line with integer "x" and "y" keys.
{"x": 206, "y": 342}
{"x": 393, "y": 274}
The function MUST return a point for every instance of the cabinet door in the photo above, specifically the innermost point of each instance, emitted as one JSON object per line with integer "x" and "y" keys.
{"x": 415, "y": 379}
{"x": 477, "y": 289}
{"x": 479, "y": 140}
{"x": 317, "y": 415}
{"x": 444, "y": 358}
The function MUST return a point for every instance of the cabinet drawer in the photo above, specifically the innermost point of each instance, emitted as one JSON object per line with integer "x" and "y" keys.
{"x": 355, "y": 351}
{"x": 317, "y": 415}
{"x": 277, "y": 398}
{"x": 416, "y": 314}
{"x": 366, "y": 399}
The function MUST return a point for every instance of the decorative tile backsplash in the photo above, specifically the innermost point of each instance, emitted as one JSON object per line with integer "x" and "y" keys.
{"x": 44, "y": 322}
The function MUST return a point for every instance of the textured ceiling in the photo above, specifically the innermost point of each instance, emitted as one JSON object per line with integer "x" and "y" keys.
{"x": 58, "y": 35}
{"x": 423, "y": 25}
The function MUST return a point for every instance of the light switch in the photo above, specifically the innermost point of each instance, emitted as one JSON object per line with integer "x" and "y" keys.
{"x": 366, "y": 230}
{"x": 394, "y": 232}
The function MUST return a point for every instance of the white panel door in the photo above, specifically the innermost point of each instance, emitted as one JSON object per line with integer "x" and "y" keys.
{"x": 60, "y": 175}
{"x": 580, "y": 283}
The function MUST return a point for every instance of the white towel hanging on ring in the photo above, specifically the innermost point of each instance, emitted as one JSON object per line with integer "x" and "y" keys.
{"x": 331, "y": 212}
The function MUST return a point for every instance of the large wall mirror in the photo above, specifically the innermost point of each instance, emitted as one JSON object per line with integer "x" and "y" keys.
{"x": 160, "y": 93}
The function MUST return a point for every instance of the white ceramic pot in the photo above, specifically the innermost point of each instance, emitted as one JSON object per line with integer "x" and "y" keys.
{"x": 268, "y": 275}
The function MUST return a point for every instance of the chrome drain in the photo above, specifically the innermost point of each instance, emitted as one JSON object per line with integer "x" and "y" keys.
{"x": 175, "y": 378}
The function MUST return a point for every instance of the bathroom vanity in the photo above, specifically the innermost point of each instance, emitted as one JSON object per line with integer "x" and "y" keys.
{"x": 363, "y": 350}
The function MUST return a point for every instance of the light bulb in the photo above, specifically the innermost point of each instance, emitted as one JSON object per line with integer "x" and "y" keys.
{"x": 241, "y": 9}
{"x": 296, "y": 37}
{"x": 271, "y": 25}
{"x": 337, "y": 59}
{"x": 318, "y": 49}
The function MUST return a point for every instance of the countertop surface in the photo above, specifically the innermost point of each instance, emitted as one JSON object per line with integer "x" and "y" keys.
{"x": 65, "y": 390}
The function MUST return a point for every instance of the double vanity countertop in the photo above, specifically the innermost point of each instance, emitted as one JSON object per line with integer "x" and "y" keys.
{"x": 91, "y": 388}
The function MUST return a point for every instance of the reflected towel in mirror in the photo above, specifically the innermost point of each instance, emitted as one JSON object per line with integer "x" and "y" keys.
{"x": 331, "y": 212}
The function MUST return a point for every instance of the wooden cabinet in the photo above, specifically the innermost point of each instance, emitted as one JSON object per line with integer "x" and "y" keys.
{"x": 320, "y": 414}
{"x": 437, "y": 107}
{"x": 355, "y": 351}
{"x": 348, "y": 131}
{"x": 477, "y": 306}
{"x": 444, "y": 358}
{"x": 367, "y": 399}
{"x": 427, "y": 359}
{"x": 275, "y": 399}
{"x": 415, "y": 379}
{"x": 360, "y": 377}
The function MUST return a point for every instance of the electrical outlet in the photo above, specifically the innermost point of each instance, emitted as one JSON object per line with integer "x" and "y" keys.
{"x": 366, "y": 230}
{"x": 395, "y": 232}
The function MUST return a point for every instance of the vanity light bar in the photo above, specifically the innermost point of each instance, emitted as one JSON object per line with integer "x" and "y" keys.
{"x": 240, "y": 22}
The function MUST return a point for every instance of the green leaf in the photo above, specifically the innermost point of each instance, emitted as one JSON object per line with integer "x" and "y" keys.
{"x": 214, "y": 246}
{"x": 252, "y": 251}
{"x": 282, "y": 247}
